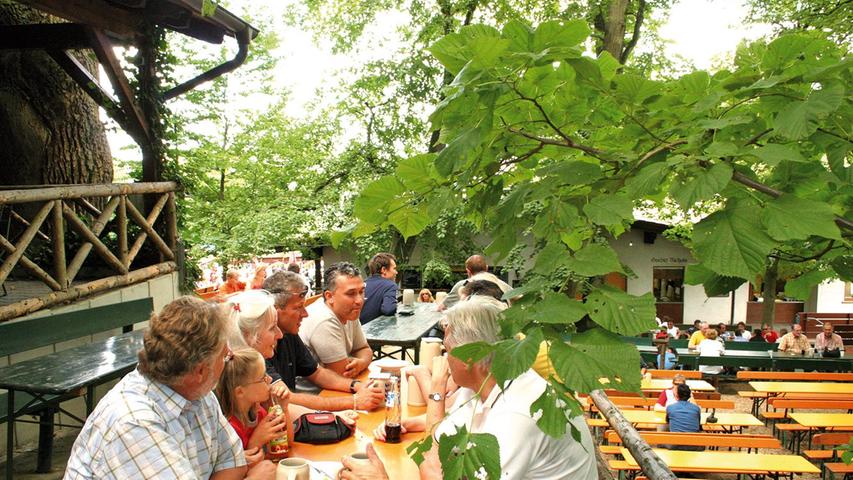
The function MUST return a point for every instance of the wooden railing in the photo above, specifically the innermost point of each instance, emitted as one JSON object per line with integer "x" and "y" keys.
{"x": 74, "y": 208}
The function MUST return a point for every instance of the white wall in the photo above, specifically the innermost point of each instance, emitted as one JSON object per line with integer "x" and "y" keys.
{"x": 162, "y": 289}
{"x": 829, "y": 298}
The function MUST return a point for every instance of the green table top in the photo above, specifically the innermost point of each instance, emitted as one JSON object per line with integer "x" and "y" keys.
{"x": 402, "y": 329}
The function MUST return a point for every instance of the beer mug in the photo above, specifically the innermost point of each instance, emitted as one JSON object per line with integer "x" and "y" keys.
{"x": 293, "y": 469}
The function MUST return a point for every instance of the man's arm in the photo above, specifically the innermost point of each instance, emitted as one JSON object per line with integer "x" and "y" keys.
{"x": 358, "y": 362}
{"x": 389, "y": 301}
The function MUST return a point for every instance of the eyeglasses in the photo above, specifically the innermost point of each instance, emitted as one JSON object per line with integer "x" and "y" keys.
{"x": 266, "y": 378}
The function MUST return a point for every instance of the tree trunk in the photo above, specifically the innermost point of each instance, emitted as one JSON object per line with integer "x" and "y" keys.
{"x": 768, "y": 292}
{"x": 614, "y": 28}
{"x": 51, "y": 130}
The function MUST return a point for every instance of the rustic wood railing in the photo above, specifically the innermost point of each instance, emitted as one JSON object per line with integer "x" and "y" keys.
{"x": 73, "y": 207}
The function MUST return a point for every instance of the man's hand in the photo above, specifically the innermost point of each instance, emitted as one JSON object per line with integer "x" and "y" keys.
{"x": 262, "y": 471}
{"x": 354, "y": 367}
{"x": 375, "y": 470}
{"x": 440, "y": 373}
{"x": 369, "y": 397}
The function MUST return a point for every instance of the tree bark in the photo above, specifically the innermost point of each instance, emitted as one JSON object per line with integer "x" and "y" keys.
{"x": 614, "y": 28}
{"x": 768, "y": 292}
{"x": 51, "y": 130}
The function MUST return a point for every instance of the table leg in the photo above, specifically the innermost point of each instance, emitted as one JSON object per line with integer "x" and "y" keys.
{"x": 90, "y": 399}
{"x": 10, "y": 434}
{"x": 418, "y": 352}
{"x": 45, "y": 451}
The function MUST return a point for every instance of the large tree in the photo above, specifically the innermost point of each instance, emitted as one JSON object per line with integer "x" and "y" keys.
{"x": 51, "y": 130}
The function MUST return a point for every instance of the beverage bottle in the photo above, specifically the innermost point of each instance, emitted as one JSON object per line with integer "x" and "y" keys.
{"x": 279, "y": 447}
{"x": 392, "y": 411}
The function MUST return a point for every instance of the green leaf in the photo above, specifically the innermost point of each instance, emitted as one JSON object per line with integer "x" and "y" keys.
{"x": 718, "y": 123}
{"x": 714, "y": 284}
{"x": 609, "y": 209}
{"x": 519, "y": 35}
{"x": 594, "y": 355}
{"x": 574, "y": 172}
{"x": 707, "y": 183}
{"x": 514, "y": 357}
{"x": 455, "y": 50}
{"x": 550, "y": 258}
{"x": 647, "y": 181}
{"x": 472, "y": 352}
{"x": 414, "y": 172}
{"x": 607, "y": 65}
{"x": 466, "y": 455}
{"x": 635, "y": 89}
{"x": 792, "y": 218}
{"x": 410, "y": 220}
{"x": 419, "y": 448}
{"x": 722, "y": 149}
{"x": 338, "y": 236}
{"x": 731, "y": 242}
{"x": 782, "y": 51}
{"x": 557, "y": 308}
{"x": 773, "y": 153}
{"x": 620, "y": 312}
{"x": 371, "y": 205}
{"x": 799, "y": 118}
{"x": 801, "y": 287}
{"x": 595, "y": 259}
{"x": 557, "y": 33}
{"x": 554, "y": 409}
{"x": 843, "y": 266}
{"x": 455, "y": 155}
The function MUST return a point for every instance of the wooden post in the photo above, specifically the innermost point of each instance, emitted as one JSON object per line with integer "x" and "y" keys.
{"x": 24, "y": 241}
{"x": 97, "y": 227}
{"x": 122, "y": 230}
{"x": 59, "y": 245}
{"x": 172, "y": 223}
{"x": 652, "y": 466}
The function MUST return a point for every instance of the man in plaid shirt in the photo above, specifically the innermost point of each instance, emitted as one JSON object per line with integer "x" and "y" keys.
{"x": 162, "y": 420}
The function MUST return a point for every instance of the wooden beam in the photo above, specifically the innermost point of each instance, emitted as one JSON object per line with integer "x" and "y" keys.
{"x": 97, "y": 227}
{"x": 122, "y": 230}
{"x": 86, "y": 205}
{"x": 147, "y": 225}
{"x": 49, "y": 36}
{"x": 27, "y": 223}
{"x": 78, "y": 226}
{"x": 120, "y": 22}
{"x": 30, "y": 265}
{"x": 31, "y": 305}
{"x": 172, "y": 223}
{"x": 78, "y": 191}
{"x": 140, "y": 240}
{"x": 59, "y": 245}
{"x": 104, "y": 51}
{"x": 24, "y": 241}
{"x": 89, "y": 83}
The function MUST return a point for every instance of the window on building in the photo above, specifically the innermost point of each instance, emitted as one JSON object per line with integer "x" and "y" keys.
{"x": 668, "y": 284}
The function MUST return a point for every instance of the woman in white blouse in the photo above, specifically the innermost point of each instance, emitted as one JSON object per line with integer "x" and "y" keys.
{"x": 710, "y": 347}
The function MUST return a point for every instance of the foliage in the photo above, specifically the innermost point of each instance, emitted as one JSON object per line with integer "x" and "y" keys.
{"x": 436, "y": 274}
{"x": 533, "y": 124}
{"x": 829, "y": 16}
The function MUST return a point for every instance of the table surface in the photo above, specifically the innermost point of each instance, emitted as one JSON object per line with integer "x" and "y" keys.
{"x": 658, "y": 384}
{"x": 802, "y": 387}
{"x": 403, "y": 329}
{"x": 823, "y": 420}
{"x": 728, "y": 353}
{"x": 728, "y": 419}
{"x": 74, "y": 368}
{"x": 397, "y": 461}
{"x": 729, "y": 462}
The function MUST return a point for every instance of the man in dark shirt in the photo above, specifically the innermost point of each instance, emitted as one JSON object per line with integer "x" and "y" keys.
{"x": 380, "y": 289}
{"x": 684, "y": 416}
{"x": 292, "y": 358}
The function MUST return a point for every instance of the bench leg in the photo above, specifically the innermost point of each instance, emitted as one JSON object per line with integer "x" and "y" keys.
{"x": 10, "y": 434}
{"x": 45, "y": 451}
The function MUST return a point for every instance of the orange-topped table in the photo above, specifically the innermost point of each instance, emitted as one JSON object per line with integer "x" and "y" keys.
{"x": 397, "y": 462}
{"x": 780, "y": 388}
{"x": 659, "y": 384}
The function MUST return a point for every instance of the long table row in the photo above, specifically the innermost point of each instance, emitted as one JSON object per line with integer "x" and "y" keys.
{"x": 769, "y": 360}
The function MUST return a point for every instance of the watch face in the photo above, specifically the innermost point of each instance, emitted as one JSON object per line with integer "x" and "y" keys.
{"x": 435, "y": 396}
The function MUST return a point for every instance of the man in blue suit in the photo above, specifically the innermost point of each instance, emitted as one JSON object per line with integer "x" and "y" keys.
{"x": 380, "y": 289}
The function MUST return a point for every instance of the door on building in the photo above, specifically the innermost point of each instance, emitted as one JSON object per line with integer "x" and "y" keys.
{"x": 668, "y": 289}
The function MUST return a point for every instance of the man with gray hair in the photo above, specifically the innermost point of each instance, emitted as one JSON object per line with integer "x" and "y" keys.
{"x": 477, "y": 269}
{"x": 162, "y": 420}
{"x": 332, "y": 331}
{"x": 292, "y": 358}
{"x": 483, "y": 406}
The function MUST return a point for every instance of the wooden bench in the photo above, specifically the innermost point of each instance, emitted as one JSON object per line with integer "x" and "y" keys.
{"x": 695, "y": 374}
{"x": 823, "y": 454}
{"x": 713, "y": 440}
{"x": 795, "y": 376}
{"x": 24, "y": 335}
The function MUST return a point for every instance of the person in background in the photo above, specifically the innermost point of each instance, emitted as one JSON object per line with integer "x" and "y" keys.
{"x": 724, "y": 334}
{"x": 332, "y": 331}
{"x": 742, "y": 333}
{"x": 669, "y": 359}
{"x": 683, "y": 416}
{"x": 259, "y": 277}
{"x": 770, "y": 335}
{"x": 710, "y": 347}
{"x": 671, "y": 329}
{"x": 484, "y": 288}
{"x": 782, "y": 333}
{"x": 425, "y": 296}
{"x": 757, "y": 336}
{"x": 477, "y": 269}
{"x": 669, "y": 397}
{"x": 828, "y": 341}
{"x": 697, "y": 325}
{"x": 232, "y": 283}
{"x": 295, "y": 268}
{"x": 162, "y": 420}
{"x": 795, "y": 342}
{"x": 380, "y": 288}
{"x": 697, "y": 336}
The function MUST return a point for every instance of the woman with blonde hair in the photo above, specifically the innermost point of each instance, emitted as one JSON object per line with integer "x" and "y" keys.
{"x": 425, "y": 296}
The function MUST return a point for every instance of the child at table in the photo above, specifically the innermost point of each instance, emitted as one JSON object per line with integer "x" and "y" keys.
{"x": 243, "y": 387}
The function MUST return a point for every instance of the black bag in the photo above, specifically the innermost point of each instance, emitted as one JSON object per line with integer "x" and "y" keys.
{"x": 320, "y": 428}
{"x": 832, "y": 353}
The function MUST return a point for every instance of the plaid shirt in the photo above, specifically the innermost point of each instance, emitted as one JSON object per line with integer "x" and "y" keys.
{"x": 792, "y": 344}
{"x": 144, "y": 429}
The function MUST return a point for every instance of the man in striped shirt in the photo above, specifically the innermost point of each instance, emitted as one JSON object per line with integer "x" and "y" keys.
{"x": 162, "y": 420}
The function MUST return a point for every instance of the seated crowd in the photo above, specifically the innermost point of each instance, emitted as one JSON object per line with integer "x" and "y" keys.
{"x": 198, "y": 405}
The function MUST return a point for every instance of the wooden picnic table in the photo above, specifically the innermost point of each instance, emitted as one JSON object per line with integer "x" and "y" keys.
{"x": 402, "y": 330}
{"x": 725, "y": 419}
{"x": 729, "y": 462}
{"x": 660, "y": 384}
{"x": 819, "y": 420}
{"x": 394, "y": 456}
{"x": 777, "y": 388}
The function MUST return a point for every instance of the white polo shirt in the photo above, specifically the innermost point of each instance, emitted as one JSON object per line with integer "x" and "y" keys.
{"x": 525, "y": 451}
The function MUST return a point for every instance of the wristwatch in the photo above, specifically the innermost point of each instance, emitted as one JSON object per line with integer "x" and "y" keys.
{"x": 436, "y": 396}
{"x": 352, "y": 385}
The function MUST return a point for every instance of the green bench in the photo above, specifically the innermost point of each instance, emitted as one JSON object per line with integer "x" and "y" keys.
{"x": 24, "y": 335}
